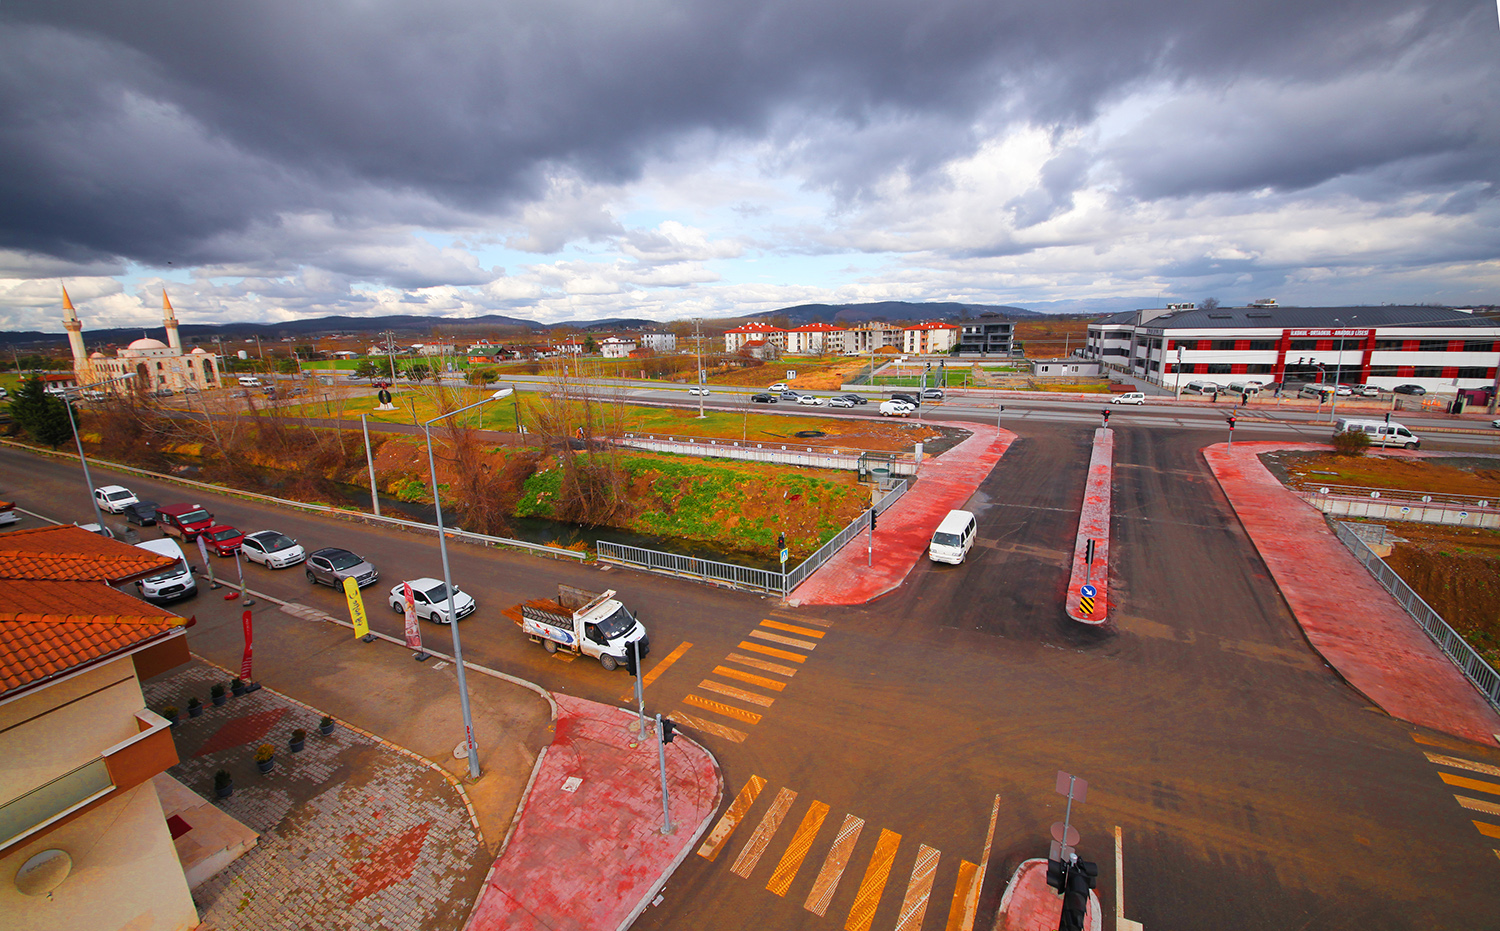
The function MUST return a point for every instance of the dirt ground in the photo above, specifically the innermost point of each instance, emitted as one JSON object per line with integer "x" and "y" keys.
{"x": 1478, "y": 475}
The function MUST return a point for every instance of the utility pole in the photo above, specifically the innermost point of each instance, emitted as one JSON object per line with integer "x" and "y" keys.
{"x": 697, "y": 324}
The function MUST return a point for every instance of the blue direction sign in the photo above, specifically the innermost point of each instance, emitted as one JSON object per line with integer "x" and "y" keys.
{"x": 1088, "y": 591}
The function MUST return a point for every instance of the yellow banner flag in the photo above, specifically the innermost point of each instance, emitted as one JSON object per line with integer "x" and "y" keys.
{"x": 356, "y": 608}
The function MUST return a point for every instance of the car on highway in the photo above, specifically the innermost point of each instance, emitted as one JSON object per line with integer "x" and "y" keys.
{"x": 763, "y": 398}
{"x": 223, "y": 539}
{"x": 790, "y": 395}
{"x": 934, "y": 394}
{"x": 813, "y": 400}
{"x": 1129, "y": 397}
{"x": 1495, "y": 423}
{"x": 115, "y": 498}
{"x": 856, "y": 398}
{"x": 840, "y": 402}
{"x": 273, "y": 549}
{"x": 1415, "y": 390}
{"x": 697, "y": 390}
{"x": 1367, "y": 391}
{"x": 142, "y": 514}
{"x": 906, "y": 398}
{"x": 331, "y": 565}
{"x": 429, "y": 597}
{"x": 779, "y": 386}
{"x": 896, "y": 409}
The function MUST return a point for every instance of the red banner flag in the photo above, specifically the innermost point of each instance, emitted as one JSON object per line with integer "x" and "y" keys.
{"x": 413, "y": 632}
{"x": 249, "y": 648}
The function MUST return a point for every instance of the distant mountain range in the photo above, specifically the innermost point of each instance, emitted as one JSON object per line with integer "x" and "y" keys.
{"x": 410, "y": 325}
{"x": 804, "y": 314}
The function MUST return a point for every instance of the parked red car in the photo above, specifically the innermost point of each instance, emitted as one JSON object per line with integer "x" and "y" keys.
{"x": 183, "y": 520}
{"x": 223, "y": 539}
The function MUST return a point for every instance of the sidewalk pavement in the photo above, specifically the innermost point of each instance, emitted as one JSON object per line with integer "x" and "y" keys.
{"x": 361, "y": 830}
{"x": 588, "y": 852}
{"x": 904, "y": 530}
{"x": 1348, "y": 617}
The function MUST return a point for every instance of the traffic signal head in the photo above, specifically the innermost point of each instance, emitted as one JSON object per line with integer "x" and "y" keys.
{"x": 632, "y": 665}
{"x": 668, "y": 730}
{"x": 872, "y": 519}
{"x": 1231, "y": 422}
{"x": 1057, "y": 874}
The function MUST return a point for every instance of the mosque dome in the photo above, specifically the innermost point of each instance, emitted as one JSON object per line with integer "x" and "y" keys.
{"x": 198, "y": 351}
{"x": 147, "y": 343}
{"x": 97, "y": 355}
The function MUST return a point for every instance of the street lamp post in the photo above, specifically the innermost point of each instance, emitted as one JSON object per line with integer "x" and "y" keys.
{"x": 87, "y": 480}
{"x": 458, "y": 653}
{"x": 697, "y": 323}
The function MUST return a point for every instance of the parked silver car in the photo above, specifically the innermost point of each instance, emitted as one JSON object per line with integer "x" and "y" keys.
{"x": 332, "y": 565}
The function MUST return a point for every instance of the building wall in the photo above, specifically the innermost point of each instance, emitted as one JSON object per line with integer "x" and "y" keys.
{"x": 94, "y": 710}
{"x": 125, "y": 875}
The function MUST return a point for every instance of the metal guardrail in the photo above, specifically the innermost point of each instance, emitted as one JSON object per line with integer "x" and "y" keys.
{"x": 744, "y": 577}
{"x": 1405, "y": 496}
{"x": 320, "y": 508}
{"x": 1473, "y": 666}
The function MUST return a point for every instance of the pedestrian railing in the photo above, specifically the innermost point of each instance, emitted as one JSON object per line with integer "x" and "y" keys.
{"x": 1474, "y": 666}
{"x": 744, "y": 577}
{"x": 780, "y": 453}
{"x": 1413, "y": 506}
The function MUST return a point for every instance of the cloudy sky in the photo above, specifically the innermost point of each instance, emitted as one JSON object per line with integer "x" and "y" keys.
{"x": 577, "y": 159}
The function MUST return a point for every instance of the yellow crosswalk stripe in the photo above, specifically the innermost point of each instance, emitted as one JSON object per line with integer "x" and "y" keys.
{"x": 794, "y": 629}
{"x": 761, "y": 664}
{"x": 658, "y": 669}
{"x": 1464, "y": 782}
{"x": 731, "y": 818}
{"x": 728, "y": 711}
{"x": 862, "y": 913}
{"x": 1460, "y": 763}
{"x": 966, "y": 871}
{"x": 918, "y": 890}
{"x": 833, "y": 866}
{"x": 729, "y": 690}
{"x": 772, "y": 684}
{"x": 744, "y": 864}
{"x": 1474, "y": 804}
{"x": 772, "y": 651}
{"x": 709, "y": 727}
{"x": 1488, "y": 830}
{"x": 785, "y": 641}
{"x": 791, "y": 860}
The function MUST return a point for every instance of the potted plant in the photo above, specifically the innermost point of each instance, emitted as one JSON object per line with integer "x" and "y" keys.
{"x": 237, "y": 686}
{"x": 195, "y": 707}
{"x": 223, "y": 784}
{"x": 170, "y": 713}
{"x": 265, "y": 757}
{"x": 299, "y": 736}
{"x": 325, "y": 726}
{"x": 216, "y": 694}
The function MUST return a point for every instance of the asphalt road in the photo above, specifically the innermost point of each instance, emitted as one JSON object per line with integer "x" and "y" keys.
{"x": 1254, "y": 789}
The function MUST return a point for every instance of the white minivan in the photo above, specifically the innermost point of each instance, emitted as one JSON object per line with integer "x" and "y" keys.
{"x": 953, "y": 538}
{"x": 1380, "y": 432}
{"x": 170, "y": 584}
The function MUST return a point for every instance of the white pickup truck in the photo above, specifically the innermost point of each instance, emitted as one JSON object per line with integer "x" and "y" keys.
{"x": 592, "y": 623}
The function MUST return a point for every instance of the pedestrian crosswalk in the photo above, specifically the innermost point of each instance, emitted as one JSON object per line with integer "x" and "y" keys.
{"x": 750, "y": 678}
{"x": 827, "y": 859}
{"x": 1487, "y": 807}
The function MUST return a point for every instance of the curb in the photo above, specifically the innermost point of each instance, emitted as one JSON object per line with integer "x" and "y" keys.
{"x": 1093, "y": 524}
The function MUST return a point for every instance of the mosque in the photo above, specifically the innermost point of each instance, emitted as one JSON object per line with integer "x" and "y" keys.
{"x": 155, "y": 364}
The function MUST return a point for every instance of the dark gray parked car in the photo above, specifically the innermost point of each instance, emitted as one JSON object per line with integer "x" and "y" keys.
{"x": 332, "y": 566}
{"x": 142, "y": 513}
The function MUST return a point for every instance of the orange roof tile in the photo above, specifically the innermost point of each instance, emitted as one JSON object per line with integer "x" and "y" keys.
{"x": 37, "y": 647}
{"x": 67, "y": 552}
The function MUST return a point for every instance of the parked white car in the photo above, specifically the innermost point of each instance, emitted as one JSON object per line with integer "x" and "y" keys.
{"x": 812, "y": 400}
{"x": 895, "y": 409}
{"x": 430, "y": 599}
{"x": 115, "y": 498}
{"x": 272, "y": 549}
{"x": 779, "y": 386}
{"x": 1129, "y": 397}
{"x": 840, "y": 402}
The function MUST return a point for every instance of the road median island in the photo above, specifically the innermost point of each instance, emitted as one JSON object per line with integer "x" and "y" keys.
{"x": 1357, "y": 627}
{"x": 1091, "y": 563}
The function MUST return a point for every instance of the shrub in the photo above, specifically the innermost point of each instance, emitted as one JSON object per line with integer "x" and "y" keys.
{"x": 194, "y": 702}
{"x": 217, "y": 691}
{"x": 264, "y": 752}
{"x": 169, "y": 712}
{"x": 1351, "y": 443}
{"x": 299, "y": 734}
{"x": 221, "y": 779}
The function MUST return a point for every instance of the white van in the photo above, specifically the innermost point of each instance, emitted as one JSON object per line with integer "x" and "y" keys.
{"x": 1244, "y": 387}
{"x": 953, "y": 538}
{"x": 1318, "y": 392}
{"x": 172, "y": 583}
{"x": 249, "y": 381}
{"x": 1201, "y": 387}
{"x": 1380, "y": 432}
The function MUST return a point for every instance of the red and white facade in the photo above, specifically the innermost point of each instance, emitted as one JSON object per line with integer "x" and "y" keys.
{"x": 1440, "y": 350}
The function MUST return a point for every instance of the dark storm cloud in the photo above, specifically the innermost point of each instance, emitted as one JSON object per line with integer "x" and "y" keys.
{"x": 156, "y": 130}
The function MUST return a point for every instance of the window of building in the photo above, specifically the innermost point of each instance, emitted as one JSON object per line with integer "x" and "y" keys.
{"x": 1258, "y": 368}
{"x": 1224, "y": 345}
{"x": 1432, "y": 345}
{"x": 1426, "y": 372}
{"x": 1303, "y": 345}
{"x": 1473, "y": 371}
{"x": 1116, "y": 351}
{"x": 1218, "y": 368}
{"x": 1384, "y": 371}
{"x": 1155, "y": 365}
{"x": 1262, "y": 345}
{"x": 1478, "y": 345}
{"x": 1389, "y": 344}
{"x": 1118, "y": 334}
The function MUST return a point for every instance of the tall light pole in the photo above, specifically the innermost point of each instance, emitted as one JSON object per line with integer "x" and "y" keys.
{"x": 698, "y": 340}
{"x": 68, "y": 406}
{"x": 458, "y": 652}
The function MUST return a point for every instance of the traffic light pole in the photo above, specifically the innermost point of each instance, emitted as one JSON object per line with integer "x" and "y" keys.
{"x": 640, "y": 700}
{"x": 661, "y": 758}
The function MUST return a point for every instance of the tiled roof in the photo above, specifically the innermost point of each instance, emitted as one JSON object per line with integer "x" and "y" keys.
{"x": 36, "y": 647}
{"x": 756, "y": 328}
{"x": 819, "y": 328}
{"x": 68, "y": 552}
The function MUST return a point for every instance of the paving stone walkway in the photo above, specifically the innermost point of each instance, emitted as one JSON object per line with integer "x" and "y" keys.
{"x": 354, "y": 834}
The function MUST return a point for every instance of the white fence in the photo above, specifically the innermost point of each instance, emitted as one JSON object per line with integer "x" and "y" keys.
{"x": 781, "y": 453}
{"x": 744, "y": 577}
{"x": 1479, "y": 672}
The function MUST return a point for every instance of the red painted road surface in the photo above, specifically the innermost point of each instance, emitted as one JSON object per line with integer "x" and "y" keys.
{"x": 1029, "y": 904}
{"x": 1348, "y": 617}
{"x": 904, "y": 530}
{"x": 590, "y": 859}
{"x": 1093, "y": 524}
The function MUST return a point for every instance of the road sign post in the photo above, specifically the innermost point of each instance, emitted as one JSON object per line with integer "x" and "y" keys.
{"x": 1086, "y": 596}
{"x": 1088, "y": 571}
